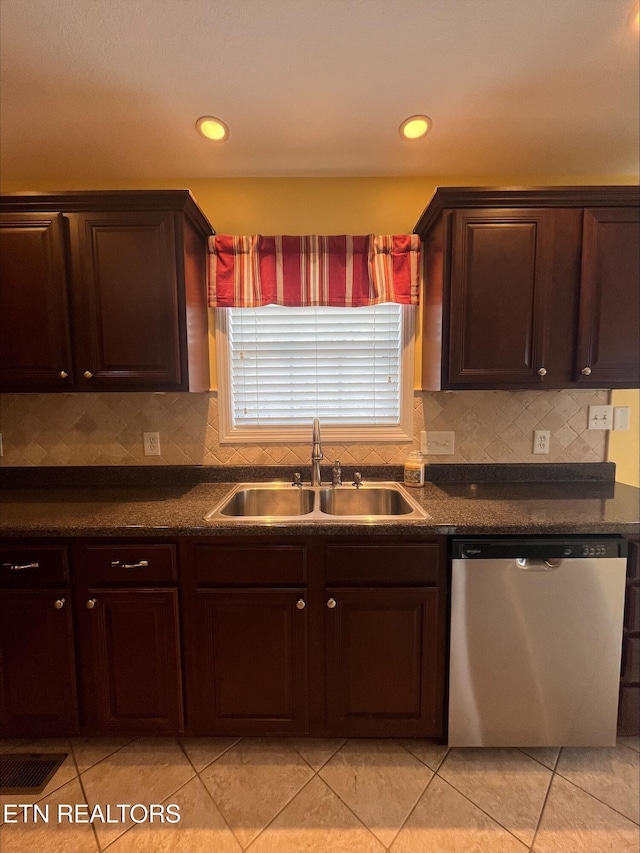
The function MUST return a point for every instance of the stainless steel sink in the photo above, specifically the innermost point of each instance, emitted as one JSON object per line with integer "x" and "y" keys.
{"x": 274, "y": 501}
{"x": 270, "y": 503}
{"x": 370, "y": 500}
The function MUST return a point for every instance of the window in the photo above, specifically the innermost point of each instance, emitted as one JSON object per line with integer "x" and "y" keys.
{"x": 278, "y": 368}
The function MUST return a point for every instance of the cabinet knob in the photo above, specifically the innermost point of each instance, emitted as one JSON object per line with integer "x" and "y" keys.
{"x": 542, "y": 371}
{"x": 91, "y": 604}
{"x": 586, "y": 371}
{"x": 63, "y": 374}
{"x": 301, "y": 604}
{"x": 88, "y": 374}
{"x": 331, "y": 603}
{"x": 58, "y": 603}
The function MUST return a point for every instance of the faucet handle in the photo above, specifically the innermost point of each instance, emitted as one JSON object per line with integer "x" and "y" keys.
{"x": 357, "y": 480}
{"x": 297, "y": 480}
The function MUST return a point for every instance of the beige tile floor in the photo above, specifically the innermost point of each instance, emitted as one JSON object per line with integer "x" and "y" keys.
{"x": 332, "y": 796}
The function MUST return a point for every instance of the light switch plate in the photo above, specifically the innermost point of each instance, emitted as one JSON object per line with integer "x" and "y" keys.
{"x": 600, "y": 417}
{"x": 437, "y": 443}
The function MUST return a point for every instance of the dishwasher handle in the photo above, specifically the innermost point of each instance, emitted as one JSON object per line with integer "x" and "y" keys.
{"x": 532, "y": 565}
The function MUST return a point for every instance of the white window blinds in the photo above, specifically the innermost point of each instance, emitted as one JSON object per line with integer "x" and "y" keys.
{"x": 343, "y": 365}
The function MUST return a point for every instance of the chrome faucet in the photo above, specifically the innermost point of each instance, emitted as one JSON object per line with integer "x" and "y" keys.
{"x": 316, "y": 454}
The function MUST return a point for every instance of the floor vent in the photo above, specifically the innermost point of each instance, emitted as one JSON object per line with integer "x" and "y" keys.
{"x": 28, "y": 772}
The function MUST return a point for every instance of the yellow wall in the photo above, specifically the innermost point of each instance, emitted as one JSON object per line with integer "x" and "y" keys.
{"x": 384, "y": 205}
{"x": 624, "y": 447}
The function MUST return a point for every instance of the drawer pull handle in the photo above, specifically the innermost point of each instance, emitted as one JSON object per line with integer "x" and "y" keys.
{"x": 15, "y": 567}
{"x": 301, "y": 604}
{"x": 91, "y": 604}
{"x": 59, "y": 603}
{"x": 142, "y": 564}
{"x": 331, "y": 603}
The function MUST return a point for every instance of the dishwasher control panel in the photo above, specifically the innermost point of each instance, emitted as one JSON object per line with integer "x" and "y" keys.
{"x": 543, "y": 548}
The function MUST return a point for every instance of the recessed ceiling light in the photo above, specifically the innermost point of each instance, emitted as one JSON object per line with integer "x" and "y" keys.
{"x": 415, "y": 127}
{"x": 212, "y": 128}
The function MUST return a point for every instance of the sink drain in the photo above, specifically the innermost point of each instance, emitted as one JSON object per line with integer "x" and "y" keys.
{"x": 28, "y": 772}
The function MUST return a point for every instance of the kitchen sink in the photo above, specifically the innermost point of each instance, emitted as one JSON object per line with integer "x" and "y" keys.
{"x": 277, "y": 502}
{"x": 364, "y": 501}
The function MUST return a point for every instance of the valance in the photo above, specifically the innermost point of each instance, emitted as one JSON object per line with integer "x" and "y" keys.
{"x": 342, "y": 271}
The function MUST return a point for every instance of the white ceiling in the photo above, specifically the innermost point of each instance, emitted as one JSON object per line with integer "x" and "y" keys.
{"x": 108, "y": 90}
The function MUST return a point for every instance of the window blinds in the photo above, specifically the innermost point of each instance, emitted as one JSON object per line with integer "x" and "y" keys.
{"x": 289, "y": 365}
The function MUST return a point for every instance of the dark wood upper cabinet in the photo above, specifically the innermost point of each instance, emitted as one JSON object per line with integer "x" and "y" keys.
{"x": 104, "y": 291}
{"x": 531, "y": 288}
{"x": 500, "y": 285}
{"x": 35, "y": 339}
{"x": 609, "y": 312}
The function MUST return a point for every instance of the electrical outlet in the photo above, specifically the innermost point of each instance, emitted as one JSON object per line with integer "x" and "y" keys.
{"x": 151, "y": 442}
{"x": 600, "y": 417}
{"x": 541, "y": 440}
{"x": 620, "y": 418}
{"x": 437, "y": 443}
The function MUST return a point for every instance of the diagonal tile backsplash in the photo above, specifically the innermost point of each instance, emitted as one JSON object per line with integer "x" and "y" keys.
{"x": 106, "y": 429}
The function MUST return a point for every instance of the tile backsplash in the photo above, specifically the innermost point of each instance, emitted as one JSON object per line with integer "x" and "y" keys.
{"x": 106, "y": 429}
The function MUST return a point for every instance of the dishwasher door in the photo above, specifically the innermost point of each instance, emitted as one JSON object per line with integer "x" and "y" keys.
{"x": 536, "y": 636}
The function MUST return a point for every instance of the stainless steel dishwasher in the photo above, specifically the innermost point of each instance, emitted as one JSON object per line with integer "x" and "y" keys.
{"x": 536, "y": 635}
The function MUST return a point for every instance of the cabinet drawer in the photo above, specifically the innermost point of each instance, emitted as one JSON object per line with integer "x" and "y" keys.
{"x": 278, "y": 565}
{"x": 129, "y": 564}
{"x": 42, "y": 565}
{"x": 413, "y": 563}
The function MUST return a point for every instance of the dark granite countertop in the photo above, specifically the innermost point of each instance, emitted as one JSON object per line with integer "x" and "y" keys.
{"x": 471, "y": 499}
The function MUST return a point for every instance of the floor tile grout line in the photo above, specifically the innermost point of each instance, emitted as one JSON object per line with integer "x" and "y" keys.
{"x": 84, "y": 794}
{"x": 544, "y": 805}
{"x": 224, "y": 752}
{"x": 220, "y": 812}
{"x": 492, "y": 817}
{"x": 100, "y": 760}
{"x": 412, "y": 809}
{"x": 354, "y": 813}
{"x": 433, "y": 770}
{"x": 593, "y": 796}
{"x": 279, "y": 812}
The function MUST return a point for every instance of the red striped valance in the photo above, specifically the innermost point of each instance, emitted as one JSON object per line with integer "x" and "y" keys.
{"x": 343, "y": 271}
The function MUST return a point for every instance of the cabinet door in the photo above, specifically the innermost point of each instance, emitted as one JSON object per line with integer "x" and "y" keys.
{"x": 132, "y": 661}
{"x": 251, "y": 662}
{"x": 384, "y": 665}
{"x": 500, "y": 278}
{"x": 37, "y": 664}
{"x": 125, "y": 278}
{"x": 609, "y": 320}
{"x": 35, "y": 349}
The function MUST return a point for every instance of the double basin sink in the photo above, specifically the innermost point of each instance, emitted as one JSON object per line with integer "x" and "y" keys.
{"x": 270, "y": 502}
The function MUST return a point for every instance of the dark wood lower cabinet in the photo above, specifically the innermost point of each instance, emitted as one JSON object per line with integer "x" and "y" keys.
{"x": 131, "y": 661}
{"x": 37, "y": 664}
{"x": 382, "y": 662}
{"x": 251, "y": 670}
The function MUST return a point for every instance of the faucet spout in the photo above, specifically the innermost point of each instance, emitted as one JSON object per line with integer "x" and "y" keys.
{"x": 316, "y": 454}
